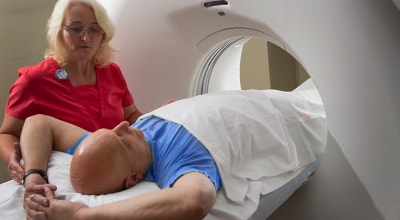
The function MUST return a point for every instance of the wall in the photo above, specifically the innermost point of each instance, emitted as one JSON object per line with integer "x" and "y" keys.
{"x": 254, "y": 65}
{"x": 264, "y": 65}
{"x": 283, "y": 69}
{"x": 22, "y": 42}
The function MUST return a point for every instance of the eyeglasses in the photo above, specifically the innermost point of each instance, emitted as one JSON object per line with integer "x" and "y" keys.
{"x": 79, "y": 31}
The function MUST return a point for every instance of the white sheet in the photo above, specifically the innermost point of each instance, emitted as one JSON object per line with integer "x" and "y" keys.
{"x": 12, "y": 193}
{"x": 275, "y": 134}
{"x": 296, "y": 136}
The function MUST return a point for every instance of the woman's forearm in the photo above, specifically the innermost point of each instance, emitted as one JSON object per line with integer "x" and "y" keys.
{"x": 6, "y": 146}
{"x": 36, "y": 144}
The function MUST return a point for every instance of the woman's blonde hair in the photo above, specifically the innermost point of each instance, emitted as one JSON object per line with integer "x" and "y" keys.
{"x": 57, "y": 51}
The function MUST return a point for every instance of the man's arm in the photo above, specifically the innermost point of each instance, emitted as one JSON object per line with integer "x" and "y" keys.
{"x": 192, "y": 197}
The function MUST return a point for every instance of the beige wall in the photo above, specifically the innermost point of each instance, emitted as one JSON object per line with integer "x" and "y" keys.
{"x": 282, "y": 69}
{"x": 254, "y": 65}
{"x": 267, "y": 66}
{"x": 22, "y": 42}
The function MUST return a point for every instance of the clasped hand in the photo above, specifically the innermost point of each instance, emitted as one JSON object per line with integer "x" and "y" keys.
{"x": 40, "y": 202}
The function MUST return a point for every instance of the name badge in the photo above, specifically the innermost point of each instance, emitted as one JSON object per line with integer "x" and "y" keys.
{"x": 61, "y": 74}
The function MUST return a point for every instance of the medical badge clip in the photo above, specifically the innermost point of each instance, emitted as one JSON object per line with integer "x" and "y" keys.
{"x": 61, "y": 74}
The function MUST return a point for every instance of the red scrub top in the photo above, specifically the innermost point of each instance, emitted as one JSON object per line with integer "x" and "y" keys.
{"x": 38, "y": 91}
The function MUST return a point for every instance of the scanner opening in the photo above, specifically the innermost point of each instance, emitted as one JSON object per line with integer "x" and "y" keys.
{"x": 249, "y": 63}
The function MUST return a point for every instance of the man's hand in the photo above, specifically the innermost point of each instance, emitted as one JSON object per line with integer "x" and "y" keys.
{"x": 35, "y": 189}
{"x": 15, "y": 169}
{"x": 57, "y": 209}
{"x": 36, "y": 198}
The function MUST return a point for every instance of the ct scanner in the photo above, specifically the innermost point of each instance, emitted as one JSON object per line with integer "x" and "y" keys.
{"x": 351, "y": 49}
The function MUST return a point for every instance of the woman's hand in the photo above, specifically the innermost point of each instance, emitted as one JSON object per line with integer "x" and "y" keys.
{"x": 169, "y": 101}
{"x": 15, "y": 169}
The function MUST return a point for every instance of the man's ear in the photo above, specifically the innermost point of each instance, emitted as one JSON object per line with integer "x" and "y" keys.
{"x": 133, "y": 179}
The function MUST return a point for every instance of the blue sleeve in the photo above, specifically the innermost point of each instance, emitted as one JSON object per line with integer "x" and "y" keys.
{"x": 175, "y": 152}
{"x": 72, "y": 149}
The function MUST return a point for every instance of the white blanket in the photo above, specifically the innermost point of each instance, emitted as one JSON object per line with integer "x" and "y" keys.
{"x": 259, "y": 139}
{"x": 272, "y": 142}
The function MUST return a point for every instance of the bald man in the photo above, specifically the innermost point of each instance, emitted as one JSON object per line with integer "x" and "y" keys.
{"x": 188, "y": 148}
{"x": 108, "y": 161}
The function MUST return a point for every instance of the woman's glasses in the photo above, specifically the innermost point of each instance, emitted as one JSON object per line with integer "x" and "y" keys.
{"x": 79, "y": 31}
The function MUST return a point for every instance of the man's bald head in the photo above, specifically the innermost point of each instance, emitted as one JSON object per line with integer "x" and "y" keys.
{"x": 99, "y": 166}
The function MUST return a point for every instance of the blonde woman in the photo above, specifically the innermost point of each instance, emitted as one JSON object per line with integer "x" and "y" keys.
{"x": 77, "y": 82}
